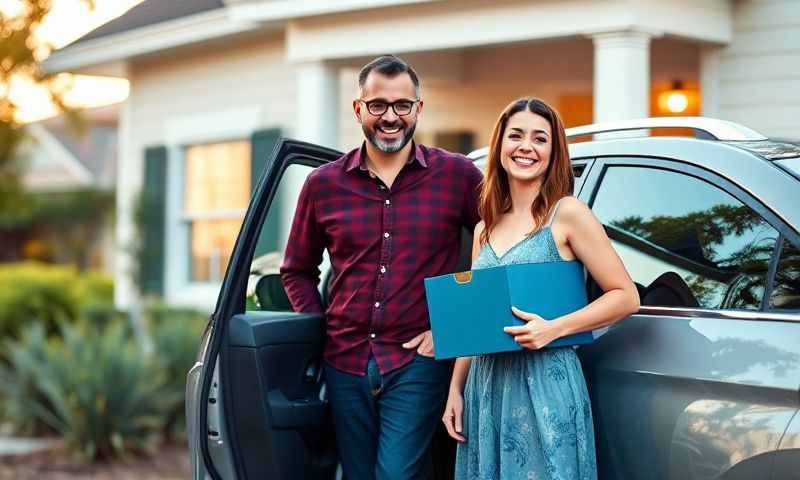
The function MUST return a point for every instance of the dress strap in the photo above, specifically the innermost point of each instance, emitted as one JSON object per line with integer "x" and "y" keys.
{"x": 555, "y": 210}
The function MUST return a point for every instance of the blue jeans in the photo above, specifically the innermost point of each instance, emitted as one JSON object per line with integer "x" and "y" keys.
{"x": 384, "y": 423}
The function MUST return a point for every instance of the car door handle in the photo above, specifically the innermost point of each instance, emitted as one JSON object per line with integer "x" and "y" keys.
{"x": 295, "y": 414}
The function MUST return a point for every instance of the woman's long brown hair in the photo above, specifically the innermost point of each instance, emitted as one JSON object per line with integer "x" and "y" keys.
{"x": 495, "y": 198}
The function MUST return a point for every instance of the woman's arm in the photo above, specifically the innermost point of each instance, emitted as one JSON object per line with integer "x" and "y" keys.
{"x": 588, "y": 241}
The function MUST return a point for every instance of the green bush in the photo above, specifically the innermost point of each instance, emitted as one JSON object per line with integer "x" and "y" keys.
{"x": 18, "y": 377}
{"x": 92, "y": 386}
{"x": 176, "y": 336}
{"x": 51, "y": 294}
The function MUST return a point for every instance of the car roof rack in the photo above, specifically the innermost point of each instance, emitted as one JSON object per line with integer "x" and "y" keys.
{"x": 711, "y": 128}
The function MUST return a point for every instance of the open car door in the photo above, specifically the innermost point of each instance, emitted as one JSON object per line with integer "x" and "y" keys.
{"x": 255, "y": 402}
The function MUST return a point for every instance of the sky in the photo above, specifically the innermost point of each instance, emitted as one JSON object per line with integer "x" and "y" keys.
{"x": 69, "y": 20}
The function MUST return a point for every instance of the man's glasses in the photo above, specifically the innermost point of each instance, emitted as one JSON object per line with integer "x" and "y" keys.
{"x": 379, "y": 107}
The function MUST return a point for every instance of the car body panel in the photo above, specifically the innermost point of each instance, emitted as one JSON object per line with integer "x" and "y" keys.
{"x": 687, "y": 392}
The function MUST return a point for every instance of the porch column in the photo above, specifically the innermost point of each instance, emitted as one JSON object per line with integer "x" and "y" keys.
{"x": 710, "y": 81}
{"x": 621, "y": 75}
{"x": 317, "y": 105}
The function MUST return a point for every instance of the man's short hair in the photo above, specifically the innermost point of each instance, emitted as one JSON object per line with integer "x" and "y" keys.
{"x": 391, "y": 66}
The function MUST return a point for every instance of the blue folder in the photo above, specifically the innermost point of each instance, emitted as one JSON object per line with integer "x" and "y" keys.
{"x": 468, "y": 310}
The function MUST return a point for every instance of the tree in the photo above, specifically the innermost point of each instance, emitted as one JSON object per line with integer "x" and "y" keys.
{"x": 21, "y": 54}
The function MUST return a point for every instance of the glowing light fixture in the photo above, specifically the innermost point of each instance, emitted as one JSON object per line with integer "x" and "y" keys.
{"x": 674, "y": 100}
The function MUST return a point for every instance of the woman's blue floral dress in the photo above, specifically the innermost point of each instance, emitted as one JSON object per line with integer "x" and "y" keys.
{"x": 526, "y": 414}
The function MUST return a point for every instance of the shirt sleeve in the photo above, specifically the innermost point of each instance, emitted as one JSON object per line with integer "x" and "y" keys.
{"x": 304, "y": 248}
{"x": 474, "y": 178}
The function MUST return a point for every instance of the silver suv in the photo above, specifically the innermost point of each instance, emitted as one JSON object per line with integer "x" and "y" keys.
{"x": 703, "y": 382}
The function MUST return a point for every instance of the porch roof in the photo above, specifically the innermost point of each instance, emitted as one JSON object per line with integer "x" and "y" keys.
{"x": 406, "y": 25}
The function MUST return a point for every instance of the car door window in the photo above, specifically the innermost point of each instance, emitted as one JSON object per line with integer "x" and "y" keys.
{"x": 786, "y": 286}
{"x": 264, "y": 287}
{"x": 687, "y": 242}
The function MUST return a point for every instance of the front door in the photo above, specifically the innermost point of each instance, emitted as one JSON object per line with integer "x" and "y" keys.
{"x": 262, "y": 411}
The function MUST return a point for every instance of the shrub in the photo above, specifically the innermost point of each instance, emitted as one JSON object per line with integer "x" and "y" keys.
{"x": 92, "y": 386}
{"x": 20, "y": 393}
{"x": 49, "y": 293}
{"x": 176, "y": 336}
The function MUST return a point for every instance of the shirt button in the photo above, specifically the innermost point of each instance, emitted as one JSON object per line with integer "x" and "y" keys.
{"x": 388, "y": 202}
{"x": 377, "y": 304}
{"x": 383, "y": 269}
{"x": 386, "y": 235}
{"x": 371, "y": 335}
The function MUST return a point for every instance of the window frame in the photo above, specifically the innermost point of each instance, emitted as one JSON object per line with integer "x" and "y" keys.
{"x": 187, "y": 218}
{"x": 182, "y": 131}
{"x": 773, "y": 272}
{"x": 593, "y": 182}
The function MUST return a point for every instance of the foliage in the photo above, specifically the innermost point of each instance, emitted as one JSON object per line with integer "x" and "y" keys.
{"x": 51, "y": 294}
{"x": 18, "y": 376}
{"x": 21, "y": 53}
{"x": 176, "y": 334}
{"x": 92, "y": 386}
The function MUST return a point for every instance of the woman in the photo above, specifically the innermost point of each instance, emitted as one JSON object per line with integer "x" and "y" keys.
{"x": 526, "y": 414}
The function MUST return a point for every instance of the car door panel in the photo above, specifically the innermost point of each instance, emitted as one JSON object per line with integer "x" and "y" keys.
{"x": 278, "y": 405}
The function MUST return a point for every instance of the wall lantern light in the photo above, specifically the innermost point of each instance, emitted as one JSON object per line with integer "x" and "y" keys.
{"x": 674, "y": 100}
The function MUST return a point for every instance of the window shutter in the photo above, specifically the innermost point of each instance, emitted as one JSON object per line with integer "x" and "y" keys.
{"x": 153, "y": 218}
{"x": 262, "y": 143}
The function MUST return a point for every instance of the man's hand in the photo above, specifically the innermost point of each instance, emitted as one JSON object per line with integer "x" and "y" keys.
{"x": 535, "y": 334}
{"x": 422, "y": 342}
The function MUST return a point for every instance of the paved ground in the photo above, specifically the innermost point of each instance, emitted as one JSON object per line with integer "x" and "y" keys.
{"x": 36, "y": 459}
{"x": 11, "y": 446}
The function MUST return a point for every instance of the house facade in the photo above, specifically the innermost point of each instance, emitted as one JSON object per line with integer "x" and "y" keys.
{"x": 214, "y": 83}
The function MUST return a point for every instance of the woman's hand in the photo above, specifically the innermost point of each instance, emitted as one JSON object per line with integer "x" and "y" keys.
{"x": 536, "y": 333}
{"x": 453, "y": 413}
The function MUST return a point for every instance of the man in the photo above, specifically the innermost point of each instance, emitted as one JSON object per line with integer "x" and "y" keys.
{"x": 390, "y": 214}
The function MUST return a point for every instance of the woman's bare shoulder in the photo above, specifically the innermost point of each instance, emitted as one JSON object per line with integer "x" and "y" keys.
{"x": 573, "y": 209}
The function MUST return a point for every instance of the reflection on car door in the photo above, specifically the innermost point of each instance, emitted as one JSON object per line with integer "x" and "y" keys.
{"x": 264, "y": 413}
{"x": 703, "y": 380}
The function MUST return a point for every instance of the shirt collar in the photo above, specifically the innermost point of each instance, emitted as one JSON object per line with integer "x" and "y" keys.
{"x": 359, "y": 157}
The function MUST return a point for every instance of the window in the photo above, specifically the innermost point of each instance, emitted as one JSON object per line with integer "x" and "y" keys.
{"x": 786, "y": 287}
{"x": 265, "y": 289}
{"x": 689, "y": 243}
{"x": 216, "y": 194}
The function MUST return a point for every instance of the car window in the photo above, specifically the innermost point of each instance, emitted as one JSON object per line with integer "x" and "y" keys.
{"x": 687, "y": 242}
{"x": 786, "y": 286}
{"x": 264, "y": 288}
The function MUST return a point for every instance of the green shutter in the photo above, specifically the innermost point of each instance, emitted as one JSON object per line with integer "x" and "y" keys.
{"x": 152, "y": 220}
{"x": 262, "y": 142}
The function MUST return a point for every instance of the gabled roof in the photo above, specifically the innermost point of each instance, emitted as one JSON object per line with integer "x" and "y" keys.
{"x": 151, "y": 12}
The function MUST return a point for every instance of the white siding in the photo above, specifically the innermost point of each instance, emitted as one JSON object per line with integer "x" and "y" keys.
{"x": 760, "y": 69}
{"x": 221, "y": 91}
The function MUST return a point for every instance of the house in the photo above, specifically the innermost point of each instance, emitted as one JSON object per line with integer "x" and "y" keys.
{"x": 213, "y": 83}
{"x": 66, "y": 171}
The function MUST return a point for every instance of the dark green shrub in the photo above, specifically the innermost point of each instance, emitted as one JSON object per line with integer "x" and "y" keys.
{"x": 51, "y": 294}
{"x": 92, "y": 386}
{"x": 176, "y": 336}
{"x": 20, "y": 397}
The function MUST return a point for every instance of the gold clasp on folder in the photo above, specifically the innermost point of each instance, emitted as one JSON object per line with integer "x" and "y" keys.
{"x": 463, "y": 277}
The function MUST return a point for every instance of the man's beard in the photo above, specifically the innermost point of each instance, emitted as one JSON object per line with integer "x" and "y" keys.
{"x": 389, "y": 146}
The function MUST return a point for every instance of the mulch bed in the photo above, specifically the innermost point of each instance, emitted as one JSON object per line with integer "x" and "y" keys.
{"x": 166, "y": 463}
